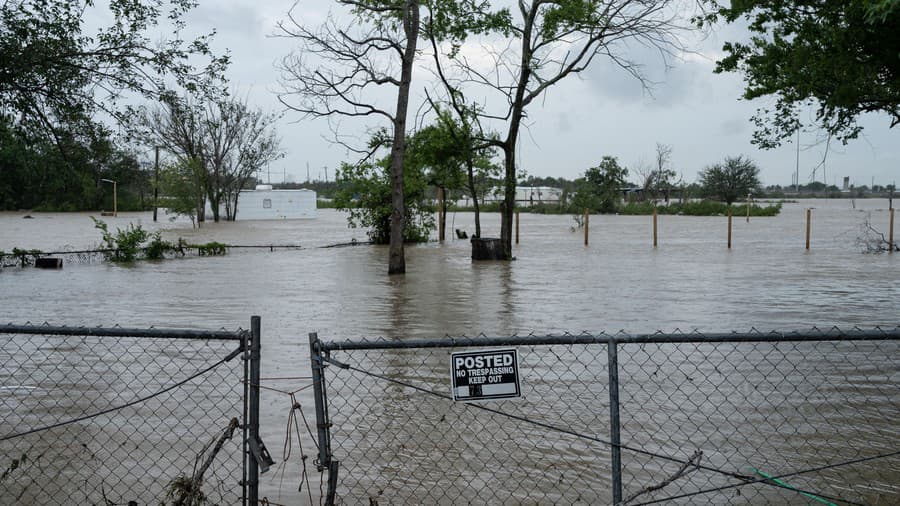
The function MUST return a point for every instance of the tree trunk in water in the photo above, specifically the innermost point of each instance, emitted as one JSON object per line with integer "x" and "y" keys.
{"x": 474, "y": 193}
{"x": 396, "y": 257}
{"x": 509, "y": 201}
{"x": 233, "y": 216}
{"x": 512, "y": 137}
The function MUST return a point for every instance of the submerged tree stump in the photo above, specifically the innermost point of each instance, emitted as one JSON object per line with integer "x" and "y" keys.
{"x": 487, "y": 248}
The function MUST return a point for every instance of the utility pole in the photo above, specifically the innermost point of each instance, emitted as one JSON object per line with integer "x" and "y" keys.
{"x": 326, "y": 173}
{"x": 156, "y": 185}
{"x": 797, "y": 175}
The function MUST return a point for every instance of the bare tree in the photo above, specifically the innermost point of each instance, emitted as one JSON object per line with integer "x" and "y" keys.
{"x": 660, "y": 179}
{"x": 338, "y": 70}
{"x": 238, "y": 141}
{"x": 226, "y": 140}
{"x": 547, "y": 41}
{"x": 175, "y": 125}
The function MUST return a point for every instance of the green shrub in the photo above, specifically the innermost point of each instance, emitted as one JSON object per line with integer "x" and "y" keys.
{"x": 124, "y": 245}
{"x": 158, "y": 248}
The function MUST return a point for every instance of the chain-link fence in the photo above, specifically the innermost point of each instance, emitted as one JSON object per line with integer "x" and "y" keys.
{"x": 122, "y": 416}
{"x": 752, "y": 418}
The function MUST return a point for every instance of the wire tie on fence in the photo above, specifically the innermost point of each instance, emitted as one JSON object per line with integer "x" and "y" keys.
{"x": 791, "y": 487}
{"x": 339, "y": 364}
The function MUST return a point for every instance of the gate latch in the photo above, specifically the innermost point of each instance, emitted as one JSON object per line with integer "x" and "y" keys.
{"x": 261, "y": 454}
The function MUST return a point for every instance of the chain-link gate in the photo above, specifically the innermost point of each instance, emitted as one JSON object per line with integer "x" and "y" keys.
{"x": 749, "y": 418}
{"x": 92, "y": 415}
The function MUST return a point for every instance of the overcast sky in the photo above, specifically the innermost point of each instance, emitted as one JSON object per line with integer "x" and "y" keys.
{"x": 602, "y": 112}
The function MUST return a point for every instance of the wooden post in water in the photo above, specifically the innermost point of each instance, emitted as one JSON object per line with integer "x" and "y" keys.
{"x": 808, "y": 222}
{"x": 440, "y": 214}
{"x": 891, "y": 233}
{"x": 729, "y": 227}
{"x": 517, "y": 227}
{"x": 587, "y": 218}
{"x": 748, "y": 208}
{"x": 654, "y": 227}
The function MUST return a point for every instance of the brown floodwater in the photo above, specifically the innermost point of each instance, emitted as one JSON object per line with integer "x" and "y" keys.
{"x": 619, "y": 282}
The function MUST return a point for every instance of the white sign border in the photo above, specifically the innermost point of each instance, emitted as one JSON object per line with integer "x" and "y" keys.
{"x": 515, "y": 352}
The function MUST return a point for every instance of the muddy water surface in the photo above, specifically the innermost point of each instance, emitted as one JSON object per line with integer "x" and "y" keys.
{"x": 691, "y": 281}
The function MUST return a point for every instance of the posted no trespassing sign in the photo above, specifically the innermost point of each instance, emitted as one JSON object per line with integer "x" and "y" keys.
{"x": 485, "y": 375}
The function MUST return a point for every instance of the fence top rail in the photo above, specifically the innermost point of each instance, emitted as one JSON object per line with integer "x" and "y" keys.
{"x": 156, "y": 333}
{"x": 833, "y": 334}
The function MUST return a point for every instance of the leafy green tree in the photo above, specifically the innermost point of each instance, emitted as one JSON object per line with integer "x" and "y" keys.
{"x": 840, "y": 55}
{"x": 59, "y": 72}
{"x": 600, "y": 188}
{"x": 548, "y": 42}
{"x": 183, "y": 188}
{"x": 64, "y": 175}
{"x": 434, "y": 151}
{"x": 53, "y": 71}
{"x": 376, "y": 50}
{"x": 731, "y": 180}
{"x": 453, "y": 159}
{"x": 364, "y": 190}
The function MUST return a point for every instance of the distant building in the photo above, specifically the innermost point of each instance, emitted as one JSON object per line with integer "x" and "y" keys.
{"x": 527, "y": 196}
{"x": 264, "y": 203}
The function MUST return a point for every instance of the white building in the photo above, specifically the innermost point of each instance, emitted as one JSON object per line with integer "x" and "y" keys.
{"x": 264, "y": 203}
{"x": 527, "y": 196}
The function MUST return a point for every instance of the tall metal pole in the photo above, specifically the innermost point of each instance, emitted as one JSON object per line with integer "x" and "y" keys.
{"x": 115, "y": 199}
{"x": 156, "y": 184}
{"x": 318, "y": 377}
{"x": 614, "y": 427}
{"x": 797, "y": 175}
{"x": 253, "y": 417}
{"x": 323, "y": 425}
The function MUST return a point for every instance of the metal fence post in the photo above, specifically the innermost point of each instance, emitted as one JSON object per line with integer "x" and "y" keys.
{"x": 253, "y": 416}
{"x": 614, "y": 435}
{"x": 323, "y": 425}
